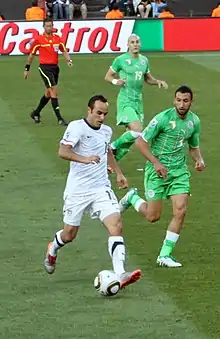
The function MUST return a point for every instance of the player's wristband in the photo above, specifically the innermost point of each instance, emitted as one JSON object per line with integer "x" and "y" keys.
{"x": 27, "y": 68}
{"x": 114, "y": 82}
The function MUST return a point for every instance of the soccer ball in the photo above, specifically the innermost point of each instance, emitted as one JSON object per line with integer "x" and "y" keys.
{"x": 107, "y": 283}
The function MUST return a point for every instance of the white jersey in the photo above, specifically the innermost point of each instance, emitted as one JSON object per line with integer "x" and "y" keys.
{"x": 87, "y": 141}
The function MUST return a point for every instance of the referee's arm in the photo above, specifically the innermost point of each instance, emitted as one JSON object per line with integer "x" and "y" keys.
{"x": 31, "y": 56}
{"x": 65, "y": 54}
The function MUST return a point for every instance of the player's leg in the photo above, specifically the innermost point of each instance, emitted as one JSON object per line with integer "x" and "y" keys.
{"x": 73, "y": 211}
{"x": 105, "y": 207}
{"x": 154, "y": 192}
{"x": 128, "y": 117}
{"x": 54, "y": 77}
{"x": 178, "y": 192}
{"x": 35, "y": 115}
{"x": 179, "y": 203}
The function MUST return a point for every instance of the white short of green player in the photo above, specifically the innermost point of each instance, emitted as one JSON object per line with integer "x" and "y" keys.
{"x": 133, "y": 71}
{"x": 163, "y": 144}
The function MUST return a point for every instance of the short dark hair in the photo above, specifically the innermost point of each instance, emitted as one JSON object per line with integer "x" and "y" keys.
{"x": 47, "y": 19}
{"x": 95, "y": 98}
{"x": 34, "y": 3}
{"x": 184, "y": 89}
{"x": 115, "y": 6}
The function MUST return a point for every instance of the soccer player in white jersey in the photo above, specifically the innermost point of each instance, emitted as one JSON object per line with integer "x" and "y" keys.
{"x": 86, "y": 145}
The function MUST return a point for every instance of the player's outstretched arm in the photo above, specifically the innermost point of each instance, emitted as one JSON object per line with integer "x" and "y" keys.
{"x": 150, "y": 80}
{"x": 110, "y": 77}
{"x": 28, "y": 65}
{"x": 144, "y": 149}
{"x": 66, "y": 153}
{"x": 195, "y": 154}
{"x": 121, "y": 180}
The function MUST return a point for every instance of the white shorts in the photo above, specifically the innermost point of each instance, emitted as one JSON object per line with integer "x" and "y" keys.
{"x": 99, "y": 204}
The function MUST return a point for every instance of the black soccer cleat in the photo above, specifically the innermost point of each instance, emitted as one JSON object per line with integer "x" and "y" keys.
{"x": 35, "y": 117}
{"x": 62, "y": 122}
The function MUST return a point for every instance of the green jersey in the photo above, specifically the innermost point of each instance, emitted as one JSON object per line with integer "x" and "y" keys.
{"x": 133, "y": 70}
{"x": 169, "y": 134}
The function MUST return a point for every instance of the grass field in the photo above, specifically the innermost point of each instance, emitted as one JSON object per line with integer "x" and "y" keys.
{"x": 178, "y": 304}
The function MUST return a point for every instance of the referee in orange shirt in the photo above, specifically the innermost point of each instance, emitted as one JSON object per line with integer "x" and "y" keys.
{"x": 48, "y": 45}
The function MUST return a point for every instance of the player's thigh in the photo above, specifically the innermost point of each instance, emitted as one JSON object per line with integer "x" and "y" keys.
{"x": 179, "y": 192}
{"x": 134, "y": 126}
{"x": 74, "y": 208}
{"x": 47, "y": 75}
{"x": 154, "y": 193}
{"x": 56, "y": 73}
{"x": 105, "y": 207}
{"x": 179, "y": 184}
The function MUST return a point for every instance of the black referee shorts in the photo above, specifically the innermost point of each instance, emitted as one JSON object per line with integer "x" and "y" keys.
{"x": 49, "y": 74}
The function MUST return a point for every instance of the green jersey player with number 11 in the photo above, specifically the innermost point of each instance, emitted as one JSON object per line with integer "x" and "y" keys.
{"x": 133, "y": 70}
{"x": 163, "y": 144}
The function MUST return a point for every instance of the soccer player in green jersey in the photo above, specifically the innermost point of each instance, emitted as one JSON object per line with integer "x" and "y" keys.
{"x": 133, "y": 70}
{"x": 162, "y": 144}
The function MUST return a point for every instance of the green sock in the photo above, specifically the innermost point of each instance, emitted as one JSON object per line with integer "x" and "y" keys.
{"x": 136, "y": 201}
{"x": 169, "y": 244}
{"x": 167, "y": 248}
{"x": 121, "y": 152}
{"x": 123, "y": 143}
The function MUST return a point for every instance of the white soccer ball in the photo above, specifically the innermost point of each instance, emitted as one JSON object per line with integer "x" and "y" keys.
{"x": 107, "y": 283}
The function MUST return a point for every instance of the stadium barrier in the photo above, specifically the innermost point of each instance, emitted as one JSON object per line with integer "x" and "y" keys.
{"x": 110, "y": 36}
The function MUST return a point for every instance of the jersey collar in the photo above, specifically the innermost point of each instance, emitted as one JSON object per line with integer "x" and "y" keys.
{"x": 95, "y": 128}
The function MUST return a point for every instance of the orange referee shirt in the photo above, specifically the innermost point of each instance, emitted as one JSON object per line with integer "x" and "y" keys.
{"x": 48, "y": 47}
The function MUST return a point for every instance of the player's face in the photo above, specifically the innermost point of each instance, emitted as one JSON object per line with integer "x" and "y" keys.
{"x": 97, "y": 115}
{"x": 182, "y": 102}
{"x": 134, "y": 45}
{"x": 48, "y": 27}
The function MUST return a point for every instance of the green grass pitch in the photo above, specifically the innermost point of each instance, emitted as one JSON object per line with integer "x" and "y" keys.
{"x": 177, "y": 304}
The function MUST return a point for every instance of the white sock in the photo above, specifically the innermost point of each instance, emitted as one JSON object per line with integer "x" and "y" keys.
{"x": 116, "y": 250}
{"x": 171, "y": 236}
{"x": 56, "y": 244}
{"x": 138, "y": 204}
{"x": 135, "y": 134}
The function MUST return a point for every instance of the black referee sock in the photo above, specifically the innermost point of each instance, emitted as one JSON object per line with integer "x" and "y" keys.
{"x": 43, "y": 101}
{"x": 56, "y": 108}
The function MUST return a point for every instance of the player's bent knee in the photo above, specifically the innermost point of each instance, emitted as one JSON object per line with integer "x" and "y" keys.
{"x": 153, "y": 217}
{"x": 180, "y": 211}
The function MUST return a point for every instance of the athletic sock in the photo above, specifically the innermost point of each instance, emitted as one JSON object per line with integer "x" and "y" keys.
{"x": 116, "y": 250}
{"x": 43, "y": 102}
{"x": 123, "y": 143}
{"x": 136, "y": 201}
{"x": 56, "y": 108}
{"x": 168, "y": 244}
{"x": 56, "y": 244}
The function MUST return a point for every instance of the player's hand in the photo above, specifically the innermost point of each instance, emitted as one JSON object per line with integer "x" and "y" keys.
{"x": 26, "y": 73}
{"x": 122, "y": 181}
{"x": 162, "y": 84}
{"x": 161, "y": 170}
{"x": 70, "y": 63}
{"x": 200, "y": 165}
{"x": 121, "y": 82}
{"x": 94, "y": 159}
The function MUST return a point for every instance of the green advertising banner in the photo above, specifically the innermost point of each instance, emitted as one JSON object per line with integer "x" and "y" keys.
{"x": 150, "y": 33}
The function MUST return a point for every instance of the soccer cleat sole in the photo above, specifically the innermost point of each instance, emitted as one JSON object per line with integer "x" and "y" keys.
{"x": 134, "y": 277}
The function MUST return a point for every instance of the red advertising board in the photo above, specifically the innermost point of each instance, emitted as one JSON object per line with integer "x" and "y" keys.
{"x": 182, "y": 35}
